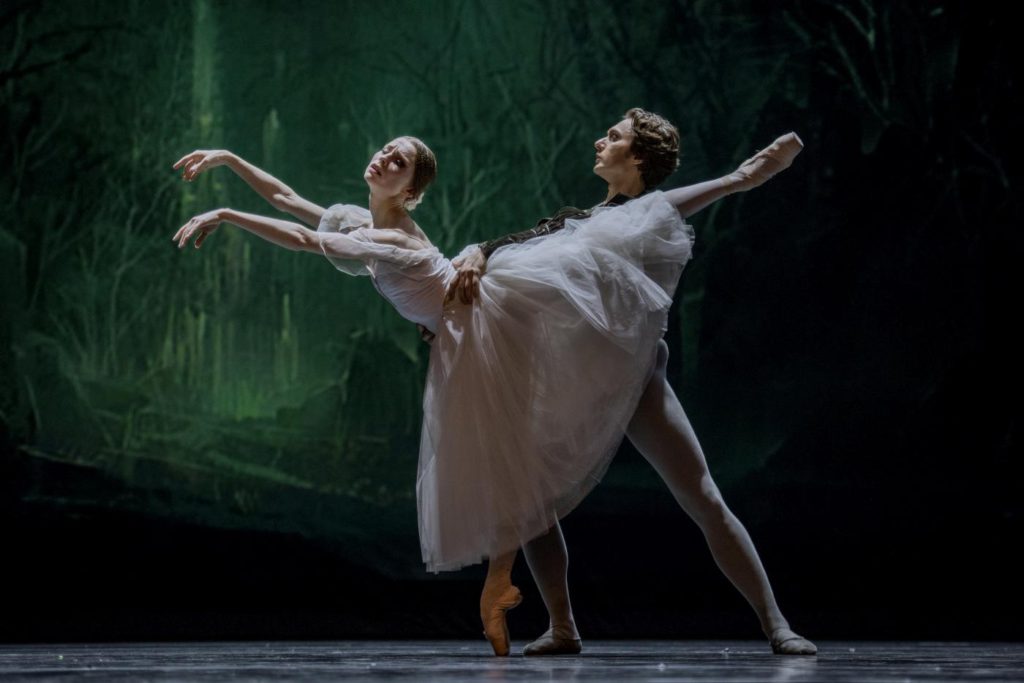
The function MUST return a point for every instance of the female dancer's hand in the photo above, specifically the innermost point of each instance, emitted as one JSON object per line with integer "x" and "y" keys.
{"x": 204, "y": 224}
{"x": 200, "y": 160}
{"x": 467, "y": 277}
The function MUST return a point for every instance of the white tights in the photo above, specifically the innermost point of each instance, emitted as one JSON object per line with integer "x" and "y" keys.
{"x": 661, "y": 431}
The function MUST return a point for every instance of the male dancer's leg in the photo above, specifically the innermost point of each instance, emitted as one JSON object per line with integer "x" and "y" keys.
{"x": 661, "y": 431}
{"x": 548, "y": 560}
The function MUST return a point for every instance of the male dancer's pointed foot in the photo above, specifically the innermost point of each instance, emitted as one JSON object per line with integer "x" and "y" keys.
{"x": 553, "y": 643}
{"x": 493, "y": 617}
{"x": 786, "y": 642}
{"x": 769, "y": 161}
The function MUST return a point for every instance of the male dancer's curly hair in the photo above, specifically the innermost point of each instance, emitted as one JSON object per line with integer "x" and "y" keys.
{"x": 655, "y": 143}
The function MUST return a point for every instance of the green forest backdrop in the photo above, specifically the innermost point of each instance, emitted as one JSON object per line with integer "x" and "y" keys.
{"x": 841, "y": 340}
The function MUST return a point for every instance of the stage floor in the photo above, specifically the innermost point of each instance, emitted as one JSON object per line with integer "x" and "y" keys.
{"x": 622, "y": 661}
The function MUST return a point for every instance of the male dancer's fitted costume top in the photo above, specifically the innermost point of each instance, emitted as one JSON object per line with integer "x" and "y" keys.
{"x": 529, "y": 392}
{"x": 546, "y": 226}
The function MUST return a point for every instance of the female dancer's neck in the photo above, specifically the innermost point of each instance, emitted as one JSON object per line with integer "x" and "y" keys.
{"x": 387, "y": 212}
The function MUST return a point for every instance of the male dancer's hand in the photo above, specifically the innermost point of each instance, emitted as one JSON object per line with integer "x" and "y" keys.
{"x": 466, "y": 282}
{"x": 425, "y": 334}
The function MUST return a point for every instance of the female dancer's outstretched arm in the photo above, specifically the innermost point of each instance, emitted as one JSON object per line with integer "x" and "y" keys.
{"x": 285, "y": 234}
{"x": 282, "y": 233}
{"x": 279, "y": 195}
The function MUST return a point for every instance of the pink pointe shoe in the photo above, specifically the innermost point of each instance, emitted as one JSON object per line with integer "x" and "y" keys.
{"x": 769, "y": 161}
{"x": 493, "y": 616}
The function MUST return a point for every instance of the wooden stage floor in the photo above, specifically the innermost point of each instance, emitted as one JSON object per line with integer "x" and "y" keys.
{"x": 623, "y": 661}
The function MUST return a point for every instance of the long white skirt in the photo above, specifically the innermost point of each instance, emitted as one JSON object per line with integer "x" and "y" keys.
{"x": 531, "y": 388}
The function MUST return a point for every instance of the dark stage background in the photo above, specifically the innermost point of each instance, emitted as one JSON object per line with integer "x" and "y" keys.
{"x": 223, "y": 443}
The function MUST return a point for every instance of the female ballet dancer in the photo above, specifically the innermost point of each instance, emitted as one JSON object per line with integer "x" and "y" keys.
{"x": 659, "y": 427}
{"x": 472, "y": 500}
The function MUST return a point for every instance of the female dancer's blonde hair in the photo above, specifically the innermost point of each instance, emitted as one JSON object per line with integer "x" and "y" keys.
{"x": 424, "y": 172}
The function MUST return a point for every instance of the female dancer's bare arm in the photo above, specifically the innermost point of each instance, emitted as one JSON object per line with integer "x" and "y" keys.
{"x": 279, "y": 195}
{"x": 285, "y": 234}
{"x": 282, "y": 233}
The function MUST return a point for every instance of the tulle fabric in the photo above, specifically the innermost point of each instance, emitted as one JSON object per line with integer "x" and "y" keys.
{"x": 343, "y": 219}
{"x": 530, "y": 389}
{"x": 413, "y": 280}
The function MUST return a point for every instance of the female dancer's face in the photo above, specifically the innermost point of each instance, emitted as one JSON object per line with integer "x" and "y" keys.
{"x": 391, "y": 170}
{"x": 614, "y": 158}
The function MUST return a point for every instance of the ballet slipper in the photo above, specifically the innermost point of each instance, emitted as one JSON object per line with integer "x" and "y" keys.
{"x": 493, "y": 616}
{"x": 786, "y": 642}
{"x": 771, "y": 160}
{"x": 551, "y": 644}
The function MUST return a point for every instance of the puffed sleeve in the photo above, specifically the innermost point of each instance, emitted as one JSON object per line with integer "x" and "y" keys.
{"x": 346, "y": 238}
{"x": 338, "y": 221}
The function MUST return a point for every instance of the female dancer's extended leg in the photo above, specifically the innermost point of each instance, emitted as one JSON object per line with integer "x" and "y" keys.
{"x": 662, "y": 433}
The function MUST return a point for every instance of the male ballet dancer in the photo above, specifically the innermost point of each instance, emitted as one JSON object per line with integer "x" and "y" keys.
{"x": 634, "y": 156}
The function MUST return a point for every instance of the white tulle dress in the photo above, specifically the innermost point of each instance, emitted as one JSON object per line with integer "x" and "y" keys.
{"x": 529, "y": 389}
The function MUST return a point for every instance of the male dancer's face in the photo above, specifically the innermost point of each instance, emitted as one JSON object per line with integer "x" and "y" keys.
{"x": 615, "y": 161}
